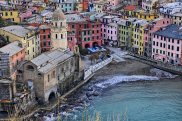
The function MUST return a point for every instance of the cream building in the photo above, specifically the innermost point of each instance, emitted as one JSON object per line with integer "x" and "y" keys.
{"x": 59, "y": 30}
{"x": 28, "y": 36}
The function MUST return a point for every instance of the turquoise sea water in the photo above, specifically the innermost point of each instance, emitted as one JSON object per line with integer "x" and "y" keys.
{"x": 141, "y": 101}
{"x": 131, "y": 98}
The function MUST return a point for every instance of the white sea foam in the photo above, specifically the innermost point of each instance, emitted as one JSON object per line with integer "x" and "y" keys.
{"x": 118, "y": 79}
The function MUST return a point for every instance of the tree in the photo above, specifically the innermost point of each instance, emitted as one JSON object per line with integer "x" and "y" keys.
{"x": 91, "y": 58}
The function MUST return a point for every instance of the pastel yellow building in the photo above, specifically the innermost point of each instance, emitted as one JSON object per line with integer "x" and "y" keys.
{"x": 12, "y": 15}
{"x": 138, "y": 36}
{"x": 140, "y": 14}
{"x": 28, "y": 37}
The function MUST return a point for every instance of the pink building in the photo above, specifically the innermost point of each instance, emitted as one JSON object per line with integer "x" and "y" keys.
{"x": 154, "y": 26}
{"x": 16, "y": 55}
{"x": 72, "y": 43}
{"x": 167, "y": 45}
{"x": 109, "y": 30}
{"x": 28, "y": 13}
{"x": 114, "y": 2}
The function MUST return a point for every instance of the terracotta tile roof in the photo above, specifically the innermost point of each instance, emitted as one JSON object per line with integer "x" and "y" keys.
{"x": 130, "y": 8}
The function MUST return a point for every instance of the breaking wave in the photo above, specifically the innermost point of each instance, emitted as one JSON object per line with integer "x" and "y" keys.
{"x": 118, "y": 79}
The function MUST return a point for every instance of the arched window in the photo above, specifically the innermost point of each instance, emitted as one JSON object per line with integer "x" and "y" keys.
{"x": 31, "y": 68}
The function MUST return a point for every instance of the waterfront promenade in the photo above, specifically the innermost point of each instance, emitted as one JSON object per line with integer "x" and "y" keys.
{"x": 174, "y": 69}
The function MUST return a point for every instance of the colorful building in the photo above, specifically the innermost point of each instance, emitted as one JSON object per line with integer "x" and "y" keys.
{"x": 140, "y": 14}
{"x": 172, "y": 11}
{"x": 28, "y": 13}
{"x": 28, "y": 37}
{"x": 66, "y": 5}
{"x": 148, "y": 5}
{"x": 109, "y": 30}
{"x": 12, "y": 15}
{"x": 16, "y": 54}
{"x": 167, "y": 45}
{"x": 114, "y": 2}
{"x": 125, "y": 33}
{"x": 138, "y": 28}
{"x": 99, "y": 6}
{"x": 87, "y": 32}
{"x": 153, "y": 26}
{"x": 45, "y": 38}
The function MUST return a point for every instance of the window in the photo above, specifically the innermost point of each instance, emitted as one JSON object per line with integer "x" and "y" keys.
{"x": 44, "y": 30}
{"x": 44, "y": 36}
{"x": 30, "y": 68}
{"x": 44, "y": 43}
{"x": 172, "y": 47}
{"x": 168, "y": 46}
{"x": 178, "y": 42}
{"x": 153, "y": 42}
{"x": 61, "y": 36}
{"x": 177, "y": 48}
{"x": 49, "y": 36}
{"x": 172, "y": 40}
{"x": 56, "y": 36}
{"x": 73, "y": 26}
{"x": 53, "y": 75}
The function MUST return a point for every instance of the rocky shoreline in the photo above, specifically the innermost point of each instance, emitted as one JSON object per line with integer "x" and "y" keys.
{"x": 82, "y": 98}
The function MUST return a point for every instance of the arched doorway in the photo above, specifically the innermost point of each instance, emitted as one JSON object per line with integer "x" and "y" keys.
{"x": 95, "y": 44}
{"x": 87, "y": 45}
{"x": 52, "y": 97}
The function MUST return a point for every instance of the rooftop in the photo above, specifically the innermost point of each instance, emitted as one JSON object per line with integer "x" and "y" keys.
{"x": 171, "y": 31}
{"x": 74, "y": 18}
{"x": 130, "y": 8}
{"x": 16, "y": 30}
{"x": 47, "y": 61}
{"x": 12, "y": 48}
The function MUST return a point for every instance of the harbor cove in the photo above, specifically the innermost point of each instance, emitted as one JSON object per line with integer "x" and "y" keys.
{"x": 125, "y": 91}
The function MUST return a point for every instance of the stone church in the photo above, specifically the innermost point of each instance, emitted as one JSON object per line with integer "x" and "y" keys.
{"x": 55, "y": 72}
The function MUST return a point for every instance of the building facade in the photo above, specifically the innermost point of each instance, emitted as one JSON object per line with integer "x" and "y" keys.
{"x": 153, "y": 26}
{"x": 167, "y": 45}
{"x": 59, "y": 30}
{"x": 51, "y": 73}
{"x": 29, "y": 38}
{"x": 16, "y": 54}
{"x": 45, "y": 38}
